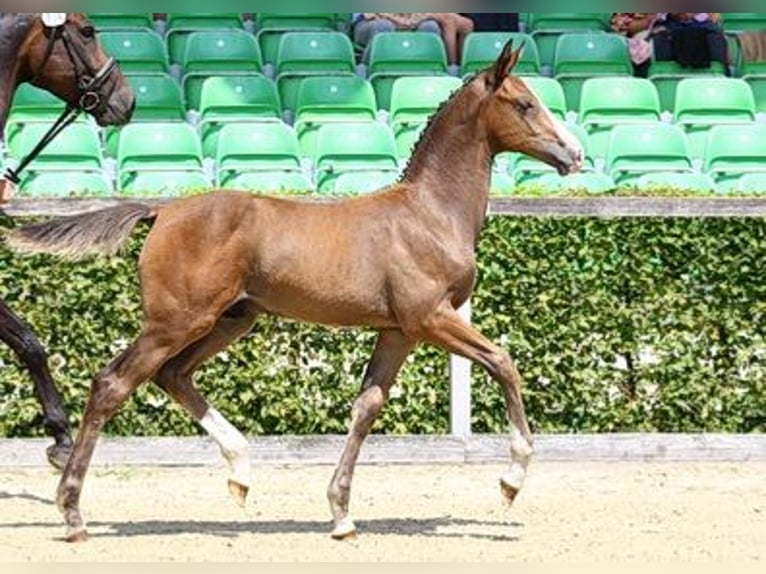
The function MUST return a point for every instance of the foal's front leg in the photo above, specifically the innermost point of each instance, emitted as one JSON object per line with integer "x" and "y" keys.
{"x": 390, "y": 352}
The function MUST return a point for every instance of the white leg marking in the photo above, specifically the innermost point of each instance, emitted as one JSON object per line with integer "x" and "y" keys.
{"x": 234, "y": 446}
{"x": 521, "y": 452}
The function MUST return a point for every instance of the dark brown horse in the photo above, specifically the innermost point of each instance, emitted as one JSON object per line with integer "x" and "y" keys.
{"x": 400, "y": 260}
{"x": 63, "y": 56}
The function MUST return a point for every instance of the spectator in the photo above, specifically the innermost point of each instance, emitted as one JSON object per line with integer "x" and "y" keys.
{"x": 494, "y": 22}
{"x": 637, "y": 27}
{"x": 452, "y": 27}
{"x": 692, "y": 39}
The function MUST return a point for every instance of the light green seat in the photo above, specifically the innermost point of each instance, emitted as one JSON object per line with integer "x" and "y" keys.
{"x": 158, "y": 99}
{"x": 137, "y": 51}
{"x": 346, "y": 147}
{"x": 501, "y": 184}
{"x": 361, "y": 182}
{"x": 168, "y": 149}
{"x": 481, "y": 50}
{"x": 214, "y": 53}
{"x": 609, "y": 101}
{"x": 263, "y": 147}
{"x": 591, "y": 182}
{"x": 121, "y": 20}
{"x": 754, "y": 182}
{"x": 77, "y": 148}
{"x": 546, "y": 27}
{"x": 743, "y": 21}
{"x": 550, "y": 93}
{"x": 181, "y": 25}
{"x": 665, "y": 75}
{"x": 235, "y": 99}
{"x": 165, "y": 183}
{"x": 272, "y": 25}
{"x": 707, "y": 101}
{"x": 283, "y": 182}
{"x": 64, "y": 184}
{"x": 580, "y": 56}
{"x": 324, "y": 99}
{"x": 733, "y": 151}
{"x": 685, "y": 182}
{"x": 636, "y": 149}
{"x": 304, "y": 54}
{"x": 413, "y": 100}
{"x": 757, "y": 83}
{"x": 403, "y": 53}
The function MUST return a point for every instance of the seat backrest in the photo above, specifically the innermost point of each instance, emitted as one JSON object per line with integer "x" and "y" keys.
{"x": 121, "y": 20}
{"x": 31, "y": 100}
{"x": 289, "y": 21}
{"x": 312, "y": 51}
{"x": 137, "y": 50}
{"x": 744, "y": 21}
{"x": 736, "y": 146}
{"x": 148, "y": 145}
{"x": 180, "y": 25}
{"x": 415, "y": 98}
{"x": 707, "y": 99}
{"x": 481, "y": 50}
{"x": 222, "y": 50}
{"x": 240, "y": 96}
{"x": 158, "y": 97}
{"x": 650, "y": 143}
{"x": 320, "y": 96}
{"x": 568, "y": 20}
{"x": 608, "y": 99}
{"x": 77, "y": 147}
{"x": 550, "y": 93}
{"x": 355, "y": 143}
{"x": 591, "y": 53}
{"x": 271, "y": 145}
{"x": 404, "y": 51}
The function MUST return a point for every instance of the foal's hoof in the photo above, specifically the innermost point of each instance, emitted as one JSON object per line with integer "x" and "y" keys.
{"x": 344, "y": 530}
{"x": 76, "y": 535}
{"x": 509, "y": 492}
{"x": 58, "y": 455}
{"x": 238, "y": 492}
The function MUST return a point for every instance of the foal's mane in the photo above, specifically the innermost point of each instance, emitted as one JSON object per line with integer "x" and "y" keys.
{"x": 426, "y": 137}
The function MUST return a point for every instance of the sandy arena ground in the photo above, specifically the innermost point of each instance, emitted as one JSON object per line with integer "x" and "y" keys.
{"x": 567, "y": 511}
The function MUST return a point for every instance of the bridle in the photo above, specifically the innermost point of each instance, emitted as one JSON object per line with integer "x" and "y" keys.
{"x": 89, "y": 84}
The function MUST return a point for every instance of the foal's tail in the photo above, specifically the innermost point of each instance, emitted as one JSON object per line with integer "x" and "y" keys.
{"x": 77, "y": 236}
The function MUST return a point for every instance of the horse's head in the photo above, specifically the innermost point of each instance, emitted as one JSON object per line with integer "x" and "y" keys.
{"x": 62, "y": 54}
{"x": 516, "y": 119}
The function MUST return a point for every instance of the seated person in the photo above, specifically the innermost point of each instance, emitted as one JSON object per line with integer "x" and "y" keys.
{"x": 694, "y": 40}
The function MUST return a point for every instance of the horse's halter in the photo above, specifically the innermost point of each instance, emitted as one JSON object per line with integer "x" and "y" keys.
{"x": 89, "y": 82}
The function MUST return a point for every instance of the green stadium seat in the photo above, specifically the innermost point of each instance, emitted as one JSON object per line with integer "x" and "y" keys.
{"x": 591, "y": 182}
{"x": 158, "y": 99}
{"x": 43, "y": 184}
{"x": 609, "y": 101}
{"x": 271, "y": 26}
{"x": 235, "y": 99}
{"x": 752, "y": 183}
{"x": 215, "y": 53}
{"x": 743, "y": 21}
{"x": 550, "y": 93}
{"x": 757, "y": 83}
{"x": 282, "y": 182}
{"x": 636, "y": 149}
{"x": 117, "y": 20}
{"x": 159, "y": 157}
{"x": 77, "y": 148}
{"x": 180, "y": 25}
{"x": 501, "y": 184}
{"x": 136, "y": 50}
{"x": 733, "y": 151}
{"x": 249, "y": 148}
{"x": 707, "y": 101}
{"x": 686, "y": 182}
{"x": 347, "y": 147}
{"x": 546, "y": 27}
{"x": 665, "y": 75}
{"x": 303, "y": 54}
{"x": 324, "y": 99}
{"x": 413, "y": 100}
{"x": 481, "y": 49}
{"x": 403, "y": 53}
{"x": 361, "y": 182}
{"x": 580, "y": 56}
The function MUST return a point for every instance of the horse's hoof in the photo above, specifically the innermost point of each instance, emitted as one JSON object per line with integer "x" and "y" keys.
{"x": 344, "y": 530}
{"x": 509, "y": 492}
{"x": 238, "y": 492}
{"x": 58, "y": 455}
{"x": 77, "y": 535}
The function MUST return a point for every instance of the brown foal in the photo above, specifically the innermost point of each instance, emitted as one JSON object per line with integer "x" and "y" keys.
{"x": 400, "y": 260}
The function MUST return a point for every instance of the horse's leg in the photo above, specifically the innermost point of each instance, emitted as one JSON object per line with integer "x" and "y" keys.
{"x": 19, "y": 337}
{"x": 175, "y": 377}
{"x": 110, "y": 389}
{"x": 448, "y": 330}
{"x": 390, "y": 352}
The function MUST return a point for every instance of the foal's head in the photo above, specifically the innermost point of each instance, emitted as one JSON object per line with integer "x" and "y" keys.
{"x": 516, "y": 119}
{"x": 61, "y": 53}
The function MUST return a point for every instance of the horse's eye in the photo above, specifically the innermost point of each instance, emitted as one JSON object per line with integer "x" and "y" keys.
{"x": 88, "y": 31}
{"x": 524, "y": 105}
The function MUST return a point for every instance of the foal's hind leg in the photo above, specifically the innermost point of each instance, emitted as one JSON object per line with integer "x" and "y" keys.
{"x": 448, "y": 330}
{"x": 390, "y": 352}
{"x": 19, "y": 337}
{"x": 175, "y": 377}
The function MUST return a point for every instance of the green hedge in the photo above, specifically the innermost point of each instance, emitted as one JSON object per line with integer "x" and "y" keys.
{"x": 616, "y": 325}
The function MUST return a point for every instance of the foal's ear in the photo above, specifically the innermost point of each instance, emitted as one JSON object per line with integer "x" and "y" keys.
{"x": 507, "y": 61}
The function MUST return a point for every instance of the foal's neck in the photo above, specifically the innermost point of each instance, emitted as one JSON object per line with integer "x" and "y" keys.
{"x": 13, "y": 30}
{"x": 451, "y": 166}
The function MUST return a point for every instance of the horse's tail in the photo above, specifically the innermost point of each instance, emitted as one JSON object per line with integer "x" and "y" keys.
{"x": 77, "y": 236}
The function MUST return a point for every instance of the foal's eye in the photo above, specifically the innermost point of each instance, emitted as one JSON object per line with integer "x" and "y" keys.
{"x": 525, "y": 106}
{"x": 88, "y": 31}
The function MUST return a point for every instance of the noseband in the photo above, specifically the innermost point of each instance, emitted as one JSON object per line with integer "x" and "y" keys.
{"x": 89, "y": 84}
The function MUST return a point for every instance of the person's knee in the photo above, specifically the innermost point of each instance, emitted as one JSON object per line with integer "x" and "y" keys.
{"x": 429, "y": 26}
